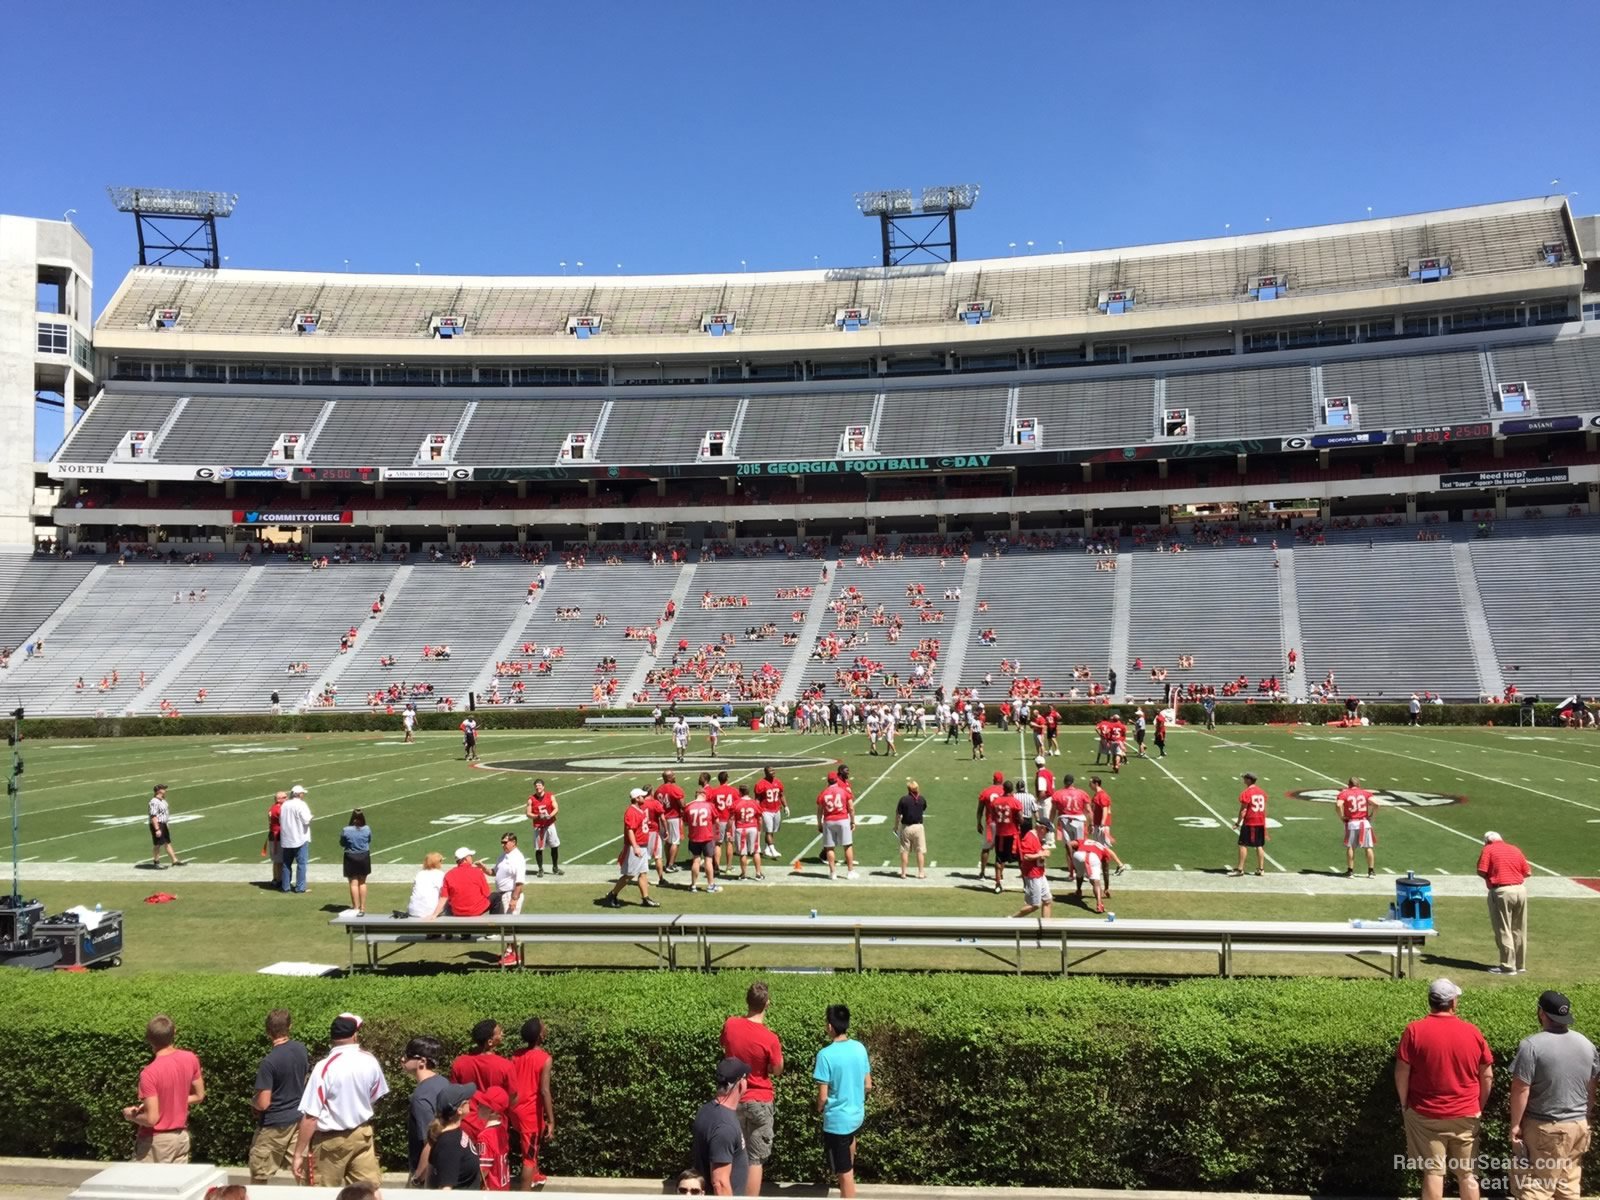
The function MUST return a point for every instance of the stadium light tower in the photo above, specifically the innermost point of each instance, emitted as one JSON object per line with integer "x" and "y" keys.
{"x": 174, "y": 224}
{"x": 918, "y": 233}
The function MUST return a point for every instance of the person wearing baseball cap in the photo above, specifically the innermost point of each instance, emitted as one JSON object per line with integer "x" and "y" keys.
{"x": 718, "y": 1150}
{"x": 634, "y": 860}
{"x": 450, "y": 1159}
{"x": 466, "y": 887}
{"x": 294, "y": 839}
{"x": 1553, "y": 1078}
{"x": 335, "y": 1135}
{"x": 1443, "y": 1071}
{"x": 1504, "y": 871}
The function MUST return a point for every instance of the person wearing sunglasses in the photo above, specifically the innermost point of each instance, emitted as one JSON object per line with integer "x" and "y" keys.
{"x": 718, "y": 1141}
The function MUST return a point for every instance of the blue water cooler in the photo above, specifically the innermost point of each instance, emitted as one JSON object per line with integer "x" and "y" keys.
{"x": 1413, "y": 901}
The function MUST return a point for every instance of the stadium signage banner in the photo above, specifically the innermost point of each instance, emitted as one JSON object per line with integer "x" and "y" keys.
{"x": 1464, "y": 480}
{"x": 281, "y": 474}
{"x": 1330, "y": 441}
{"x": 1540, "y": 424}
{"x": 119, "y": 470}
{"x": 438, "y": 474}
{"x": 257, "y": 516}
{"x": 873, "y": 466}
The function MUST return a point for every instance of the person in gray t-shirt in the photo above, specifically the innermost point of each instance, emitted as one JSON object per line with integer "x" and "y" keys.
{"x": 1553, "y": 1078}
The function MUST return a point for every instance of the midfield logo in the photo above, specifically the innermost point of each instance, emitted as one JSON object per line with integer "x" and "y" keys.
{"x": 1384, "y": 798}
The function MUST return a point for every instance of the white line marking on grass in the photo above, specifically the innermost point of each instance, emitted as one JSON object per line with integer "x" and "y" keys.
{"x": 1493, "y": 779}
{"x": 817, "y": 840}
{"x": 1408, "y": 811}
{"x": 1202, "y": 803}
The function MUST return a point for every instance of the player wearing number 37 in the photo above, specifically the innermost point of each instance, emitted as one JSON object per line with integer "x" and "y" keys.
{"x": 1251, "y": 824}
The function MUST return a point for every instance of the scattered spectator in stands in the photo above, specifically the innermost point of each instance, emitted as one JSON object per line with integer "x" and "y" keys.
{"x": 1553, "y": 1079}
{"x": 294, "y": 840}
{"x": 168, "y": 1086}
{"x": 280, "y": 1082}
{"x": 355, "y": 839}
{"x": 1504, "y": 871}
{"x": 160, "y": 831}
{"x": 276, "y": 704}
{"x": 1443, "y": 1071}
{"x": 465, "y": 890}
{"x": 843, "y": 1074}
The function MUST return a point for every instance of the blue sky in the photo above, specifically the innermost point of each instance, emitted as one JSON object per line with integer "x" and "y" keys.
{"x": 503, "y": 138}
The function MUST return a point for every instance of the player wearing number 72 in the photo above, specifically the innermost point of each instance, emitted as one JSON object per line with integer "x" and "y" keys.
{"x": 1251, "y": 824}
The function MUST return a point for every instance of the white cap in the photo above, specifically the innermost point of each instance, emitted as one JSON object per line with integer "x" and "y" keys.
{"x": 637, "y": 794}
{"x": 1442, "y": 991}
{"x": 297, "y": 790}
{"x": 1491, "y": 836}
{"x": 464, "y": 852}
{"x": 1039, "y": 760}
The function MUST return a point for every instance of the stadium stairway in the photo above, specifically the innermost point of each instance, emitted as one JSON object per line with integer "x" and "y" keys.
{"x": 1052, "y": 611}
{"x": 1121, "y": 625}
{"x": 149, "y": 698}
{"x": 629, "y": 594}
{"x": 1386, "y": 620}
{"x": 1489, "y": 680}
{"x": 1294, "y": 686}
{"x": 340, "y": 663}
{"x": 961, "y": 636}
{"x": 32, "y": 588}
{"x": 812, "y": 626}
{"x": 1220, "y": 605}
{"x": 647, "y": 661}
{"x": 290, "y": 614}
{"x": 1536, "y": 594}
{"x": 441, "y": 604}
{"x": 510, "y": 640}
{"x": 36, "y": 606}
{"x": 125, "y": 619}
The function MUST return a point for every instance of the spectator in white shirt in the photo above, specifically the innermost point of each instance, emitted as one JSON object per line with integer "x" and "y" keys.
{"x": 426, "y": 887}
{"x": 507, "y": 899}
{"x": 336, "y": 1112}
{"x": 294, "y": 840}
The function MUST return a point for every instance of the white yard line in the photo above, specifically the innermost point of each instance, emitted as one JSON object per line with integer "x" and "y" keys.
{"x": 1490, "y": 778}
{"x": 867, "y": 791}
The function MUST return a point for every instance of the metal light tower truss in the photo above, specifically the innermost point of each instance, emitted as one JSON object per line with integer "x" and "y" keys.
{"x": 175, "y": 225}
{"x": 913, "y": 233}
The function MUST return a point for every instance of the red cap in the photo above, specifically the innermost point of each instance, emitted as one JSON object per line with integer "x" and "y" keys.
{"x": 999, "y": 776}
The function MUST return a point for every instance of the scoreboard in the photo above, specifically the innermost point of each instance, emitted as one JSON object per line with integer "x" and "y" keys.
{"x": 1430, "y": 434}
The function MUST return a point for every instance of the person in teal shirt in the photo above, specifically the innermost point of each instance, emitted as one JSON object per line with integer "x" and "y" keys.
{"x": 844, "y": 1077}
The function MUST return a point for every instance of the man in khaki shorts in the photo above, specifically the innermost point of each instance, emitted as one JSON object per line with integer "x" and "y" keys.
{"x": 1443, "y": 1071}
{"x": 168, "y": 1087}
{"x": 280, "y": 1082}
{"x": 1553, "y": 1079}
{"x": 334, "y": 1147}
{"x": 910, "y": 829}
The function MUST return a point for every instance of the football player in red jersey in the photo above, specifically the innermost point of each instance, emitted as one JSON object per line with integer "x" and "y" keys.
{"x": 986, "y": 820}
{"x": 747, "y": 832}
{"x": 1069, "y": 808}
{"x": 671, "y": 797}
{"x": 1117, "y": 735}
{"x": 1052, "y": 728}
{"x": 700, "y": 823}
{"x": 1251, "y": 825}
{"x": 836, "y": 821}
{"x": 722, "y": 794}
{"x": 1006, "y": 810}
{"x": 656, "y": 811}
{"x": 1102, "y": 730}
{"x": 1161, "y": 732}
{"x": 1089, "y": 862}
{"x": 1355, "y": 806}
{"x": 542, "y": 811}
{"x": 634, "y": 862}
{"x": 774, "y": 808}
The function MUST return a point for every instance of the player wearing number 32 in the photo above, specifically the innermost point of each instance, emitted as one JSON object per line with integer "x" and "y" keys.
{"x": 1251, "y": 825}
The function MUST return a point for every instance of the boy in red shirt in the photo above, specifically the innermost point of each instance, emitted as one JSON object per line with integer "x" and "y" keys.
{"x": 1251, "y": 824}
{"x": 533, "y": 1116}
{"x": 748, "y": 1039}
{"x": 168, "y": 1086}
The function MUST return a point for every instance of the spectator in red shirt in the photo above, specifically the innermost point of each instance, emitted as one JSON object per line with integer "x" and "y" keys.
{"x": 1443, "y": 1071}
{"x": 273, "y": 851}
{"x": 533, "y": 1111}
{"x": 481, "y": 1065}
{"x": 1504, "y": 871}
{"x": 466, "y": 888}
{"x": 748, "y": 1039}
{"x": 1036, "y": 895}
{"x": 168, "y": 1086}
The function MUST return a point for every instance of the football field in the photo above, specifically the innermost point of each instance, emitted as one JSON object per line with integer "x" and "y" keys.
{"x": 1438, "y": 790}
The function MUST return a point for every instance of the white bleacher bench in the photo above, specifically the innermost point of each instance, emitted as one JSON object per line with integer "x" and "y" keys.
{"x": 705, "y": 940}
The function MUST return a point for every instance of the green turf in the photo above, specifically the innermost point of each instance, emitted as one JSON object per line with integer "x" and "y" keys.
{"x": 84, "y": 802}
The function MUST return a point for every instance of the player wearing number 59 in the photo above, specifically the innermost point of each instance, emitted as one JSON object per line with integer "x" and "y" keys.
{"x": 1251, "y": 824}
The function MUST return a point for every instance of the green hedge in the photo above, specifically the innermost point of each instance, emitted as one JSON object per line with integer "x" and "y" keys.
{"x": 1240, "y": 1085}
{"x": 1230, "y": 713}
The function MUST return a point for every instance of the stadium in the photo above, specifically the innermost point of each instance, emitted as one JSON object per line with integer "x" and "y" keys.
{"x": 1315, "y": 505}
